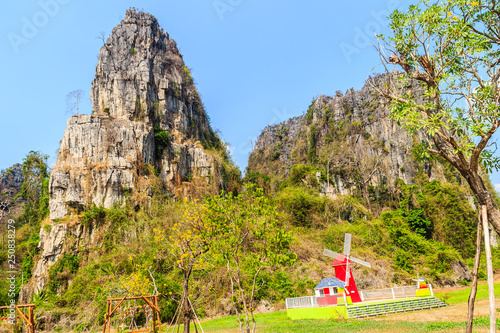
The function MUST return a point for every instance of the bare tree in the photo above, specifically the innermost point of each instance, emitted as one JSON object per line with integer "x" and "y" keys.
{"x": 102, "y": 37}
{"x": 73, "y": 101}
{"x": 357, "y": 165}
{"x": 4, "y": 209}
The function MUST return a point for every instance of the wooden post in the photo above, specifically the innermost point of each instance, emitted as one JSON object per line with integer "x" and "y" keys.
{"x": 153, "y": 313}
{"x": 110, "y": 307}
{"x": 489, "y": 265}
{"x": 473, "y": 288}
{"x": 106, "y": 319}
{"x": 158, "y": 314}
{"x": 32, "y": 321}
{"x": 28, "y": 319}
{"x": 393, "y": 296}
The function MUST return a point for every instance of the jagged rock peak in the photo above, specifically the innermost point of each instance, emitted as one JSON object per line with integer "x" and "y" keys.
{"x": 141, "y": 76}
{"x": 146, "y": 110}
{"x": 132, "y": 16}
{"x": 12, "y": 177}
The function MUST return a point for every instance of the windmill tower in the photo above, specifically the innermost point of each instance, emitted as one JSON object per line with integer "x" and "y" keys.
{"x": 342, "y": 265}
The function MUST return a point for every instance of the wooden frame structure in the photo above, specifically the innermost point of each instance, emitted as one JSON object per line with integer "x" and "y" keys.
{"x": 30, "y": 320}
{"x": 152, "y": 301}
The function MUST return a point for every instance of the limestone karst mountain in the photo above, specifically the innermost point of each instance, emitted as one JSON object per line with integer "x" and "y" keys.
{"x": 351, "y": 135}
{"x": 146, "y": 110}
{"x": 148, "y": 120}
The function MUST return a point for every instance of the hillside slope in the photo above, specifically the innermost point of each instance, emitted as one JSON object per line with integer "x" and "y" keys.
{"x": 345, "y": 166}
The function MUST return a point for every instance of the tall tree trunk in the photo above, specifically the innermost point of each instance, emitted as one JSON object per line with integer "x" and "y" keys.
{"x": 186, "y": 309}
{"x": 473, "y": 289}
{"x": 367, "y": 196}
{"x": 484, "y": 197}
{"x": 489, "y": 264}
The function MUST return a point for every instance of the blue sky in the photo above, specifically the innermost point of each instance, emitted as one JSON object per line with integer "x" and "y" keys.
{"x": 255, "y": 62}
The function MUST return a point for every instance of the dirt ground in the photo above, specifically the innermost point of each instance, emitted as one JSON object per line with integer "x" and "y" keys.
{"x": 455, "y": 312}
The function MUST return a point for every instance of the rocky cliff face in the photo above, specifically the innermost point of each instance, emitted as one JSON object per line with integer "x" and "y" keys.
{"x": 146, "y": 110}
{"x": 349, "y": 134}
{"x": 56, "y": 241}
{"x": 11, "y": 181}
{"x": 12, "y": 178}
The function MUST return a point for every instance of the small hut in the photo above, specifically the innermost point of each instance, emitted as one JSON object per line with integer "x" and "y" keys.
{"x": 329, "y": 290}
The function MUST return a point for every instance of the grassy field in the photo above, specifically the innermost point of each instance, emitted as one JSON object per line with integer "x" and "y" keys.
{"x": 462, "y": 295}
{"x": 278, "y": 321}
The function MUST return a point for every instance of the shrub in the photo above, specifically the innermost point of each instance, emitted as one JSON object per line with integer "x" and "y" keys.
{"x": 311, "y": 153}
{"x": 116, "y": 215}
{"x": 261, "y": 180}
{"x": 402, "y": 259}
{"x": 186, "y": 75}
{"x": 299, "y": 172}
{"x": 300, "y": 204}
{"x": 27, "y": 266}
{"x": 61, "y": 271}
{"x": 419, "y": 223}
{"x": 275, "y": 155}
{"x": 94, "y": 214}
{"x": 310, "y": 111}
{"x": 162, "y": 140}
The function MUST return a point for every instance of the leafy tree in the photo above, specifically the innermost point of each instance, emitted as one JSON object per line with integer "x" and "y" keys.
{"x": 411, "y": 210}
{"x": 254, "y": 239}
{"x": 135, "y": 284}
{"x": 448, "y": 53}
{"x": 259, "y": 179}
{"x": 301, "y": 204}
{"x": 189, "y": 240}
{"x": 35, "y": 187}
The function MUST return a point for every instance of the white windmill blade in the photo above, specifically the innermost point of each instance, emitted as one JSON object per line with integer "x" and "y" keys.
{"x": 330, "y": 254}
{"x": 361, "y": 262}
{"x": 347, "y": 274}
{"x": 347, "y": 244}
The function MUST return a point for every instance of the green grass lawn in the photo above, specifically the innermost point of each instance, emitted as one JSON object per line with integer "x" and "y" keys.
{"x": 278, "y": 322}
{"x": 462, "y": 296}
